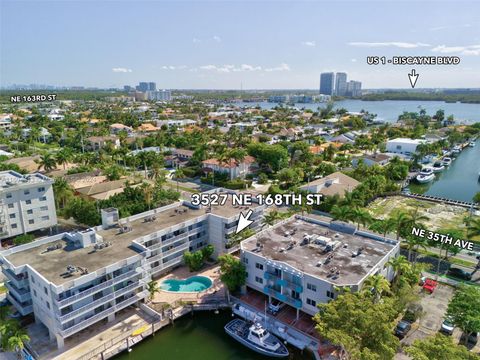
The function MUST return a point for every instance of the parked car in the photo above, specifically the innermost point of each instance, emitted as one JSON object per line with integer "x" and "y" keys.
{"x": 459, "y": 273}
{"x": 275, "y": 306}
{"x": 429, "y": 285}
{"x": 447, "y": 326}
{"x": 403, "y": 327}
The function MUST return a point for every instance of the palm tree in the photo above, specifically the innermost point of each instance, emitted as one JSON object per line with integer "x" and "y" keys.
{"x": 63, "y": 156}
{"x": 62, "y": 191}
{"x": 47, "y": 161}
{"x": 400, "y": 219}
{"x": 473, "y": 227}
{"x": 343, "y": 213}
{"x": 399, "y": 265}
{"x": 383, "y": 226}
{"x": 377, "y": 285}
{"x": 17, "y": 339}
{"x": 152, "y": 288}
{"x": 179, "y": 174}
{"x": 148, "y": 193}
{"x": 413, "y": 243}
{"x": 361, "y": 217}
{"x": 271, "y": 217}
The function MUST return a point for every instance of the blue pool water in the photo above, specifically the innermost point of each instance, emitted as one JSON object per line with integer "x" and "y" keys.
{"x": 192, "y": 284}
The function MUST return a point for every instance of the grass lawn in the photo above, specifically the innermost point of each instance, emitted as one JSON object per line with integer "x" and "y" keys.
{"x": 3, "y": 289}
{"x": 440, "y": 216}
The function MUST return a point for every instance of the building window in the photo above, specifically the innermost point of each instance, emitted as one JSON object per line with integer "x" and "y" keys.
{"x": 30, "y": 211}
{"x": 9, "y": 196}
{"x": 311, "y": 287}
{"x": 330, "y": 294}
{"x": 12, "y": 216}
{"x": 31, "y": 221}
{"x": 245, "y": 260}
{"x": 13, "y": 226}
{"x": 28, "y": 202}
{"x": 26, "y": 192}
{"x": 41, "y": 189}
{"x": 45, "y": 218}
{"x": 311, "y": 302}
{"x": 43, "y": 208}
{"x": 35, "y": 292}
{"x": 10, "y": 206}
{"x": 259, "y": 280}
{"x": 45, "y": 289}
{"x": 48, "y": 304}
{"x": 43, "y": 198}
{"x": 259, "y": 266}
{"x": 33, "y": 279}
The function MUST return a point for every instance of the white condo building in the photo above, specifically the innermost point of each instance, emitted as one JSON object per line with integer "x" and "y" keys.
{"x": 304, "y": 261}
{"x": 26, "y": 203}
{"x": 72, "y": 281}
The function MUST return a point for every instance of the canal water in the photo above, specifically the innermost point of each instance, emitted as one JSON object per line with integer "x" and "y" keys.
{"x": 388, "y": 110}
{"x": 460, "y": 181}
{"x": 198, "y": 337}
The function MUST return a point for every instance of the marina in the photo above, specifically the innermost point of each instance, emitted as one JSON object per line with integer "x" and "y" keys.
{"x": 459, "y": 181}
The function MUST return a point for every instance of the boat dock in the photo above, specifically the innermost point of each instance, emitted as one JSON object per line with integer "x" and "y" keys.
{"x": 468, "y": 205}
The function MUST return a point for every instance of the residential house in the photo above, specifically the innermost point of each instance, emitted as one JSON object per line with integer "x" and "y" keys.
{"x": 333, "y": 184}
{"x": 235, "y": 169}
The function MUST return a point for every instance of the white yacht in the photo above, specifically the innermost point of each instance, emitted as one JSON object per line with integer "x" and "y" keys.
{"x": 438, "y": 166}
{"x": 446, "y": 161}
{"x": 456, "y": 150}
{"x": 425, "y": 176}
{"x": 257, "y": 338}
{"x": 471, "y": 144}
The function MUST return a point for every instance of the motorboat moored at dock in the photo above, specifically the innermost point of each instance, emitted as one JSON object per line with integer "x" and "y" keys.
{"x": 256, "y": 338}
{"x": 425, "y": 176}
{"x": 438, "y": 166}
{"x": 446, "y": 161}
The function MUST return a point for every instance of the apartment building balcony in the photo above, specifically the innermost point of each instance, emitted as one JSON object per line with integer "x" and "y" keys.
{"x": 22, "y": 309}
{"x": 10, "y": 275}
{"x": 20, "y": 294}
{"x": 64, "y": 302}
{"x": 277, "y": 280}
{"x": 103, "y": 314}
{"x": 282, "y": 297}
{"x": 175, "y": 238}
{"x": 100, "y": 301}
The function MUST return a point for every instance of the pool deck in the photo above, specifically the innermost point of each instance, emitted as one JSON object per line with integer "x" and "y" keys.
{"x": 169, "y": 297}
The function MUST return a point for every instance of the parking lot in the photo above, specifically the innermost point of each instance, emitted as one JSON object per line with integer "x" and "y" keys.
{"x": 434, "y": 308}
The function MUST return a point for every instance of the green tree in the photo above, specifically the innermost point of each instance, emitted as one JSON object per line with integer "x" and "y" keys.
{"x": 152, "y": 288}
{"x": 63, "y": 192}
{"x": 232, "y": 271}
{"x": 63, "y": 157}
{"x": 47, "y": 161}
{"x": 271, "y": 217}
{"x": 83, "y": 211}
{"x": 23, "y": 239}
{"x": 361, "y": 327}
{"x": 207, "y": 252}
{"x": 439, "y": 347}
{"x": 194, "y": 260}
{"x": 17, "y": 338}
{"x": 376, "y": 285}
{"x": 464, "y": 309}
{"x": 343, "y": 213}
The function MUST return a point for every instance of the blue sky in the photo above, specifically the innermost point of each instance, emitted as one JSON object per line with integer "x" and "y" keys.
{"x": 223, "y": 44}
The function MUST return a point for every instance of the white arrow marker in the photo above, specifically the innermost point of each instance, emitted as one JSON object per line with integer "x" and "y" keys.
{"x": 413, "y": 77}
{"x": 244, "y": 221}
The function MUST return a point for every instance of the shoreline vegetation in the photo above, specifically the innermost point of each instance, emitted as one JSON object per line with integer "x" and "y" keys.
{"x": 465, "y": 96}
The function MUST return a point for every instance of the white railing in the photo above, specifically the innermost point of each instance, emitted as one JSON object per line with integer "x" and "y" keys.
{"x": 176, "y": 249}
{"x": 24, "y": 310}
{"x": 96, "y": 288}
{"x": 22, "y": 296}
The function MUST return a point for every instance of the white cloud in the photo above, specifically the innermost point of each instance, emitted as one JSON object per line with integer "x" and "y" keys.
{"x": 353, "y": 60}
{"x": 281, "y": 67}
{"x": 196, "y": 41}
{"x": 309, "y": 43}
{"x": 461, "y": 50}
{"x": 174, "y": 67}
{"x": 230, "y": 68}
{"x": 217, "y": 38}
{"x": 403, "y": 45}
{"x": 121, "y": 70}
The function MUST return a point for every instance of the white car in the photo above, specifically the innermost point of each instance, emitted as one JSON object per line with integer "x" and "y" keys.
{"x": 447, "y": 326}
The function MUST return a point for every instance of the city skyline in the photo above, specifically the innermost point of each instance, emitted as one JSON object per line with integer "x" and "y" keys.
{"x": 275, "y": 47}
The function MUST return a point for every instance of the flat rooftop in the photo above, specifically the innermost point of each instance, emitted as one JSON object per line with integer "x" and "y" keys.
{"x": 10, "y": 179}
{"x": 53, "y": 264}
{"x": 310, "y": 258}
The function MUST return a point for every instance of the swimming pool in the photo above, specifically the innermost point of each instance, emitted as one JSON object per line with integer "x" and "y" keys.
{"x": 192, "y": 284}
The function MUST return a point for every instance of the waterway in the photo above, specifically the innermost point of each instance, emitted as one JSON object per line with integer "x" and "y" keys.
{"x": 388, "y": 110}
{"x": 460, "y": 181}
{"x": 198, "y": 337}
